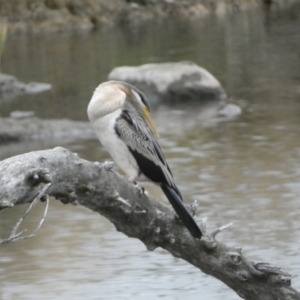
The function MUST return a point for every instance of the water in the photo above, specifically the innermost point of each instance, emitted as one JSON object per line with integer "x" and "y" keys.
{"x": 244, "y": 170}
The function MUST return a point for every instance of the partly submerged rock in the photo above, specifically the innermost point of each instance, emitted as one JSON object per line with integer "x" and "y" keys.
{"x": 172, "y": 82}
{"x": 36, "y": 87}
{"x": 24, "y": 129}
{"x": 230, "y": 110}
{"x": 20, "y": 114}
{"x": 11, "y": 87}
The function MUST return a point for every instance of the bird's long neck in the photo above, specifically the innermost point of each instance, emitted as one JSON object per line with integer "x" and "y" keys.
{"x": 105, "y": 101}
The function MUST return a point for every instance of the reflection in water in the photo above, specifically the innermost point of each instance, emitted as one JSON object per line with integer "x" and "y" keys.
{"x": 244, "y": 171}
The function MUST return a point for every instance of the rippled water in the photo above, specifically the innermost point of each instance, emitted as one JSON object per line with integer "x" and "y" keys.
{"x": 244, "y": 170}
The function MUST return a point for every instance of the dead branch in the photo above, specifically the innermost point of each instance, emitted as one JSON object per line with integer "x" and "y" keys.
{"x": 97, "y": 187}
{"x": 16, "y": 236}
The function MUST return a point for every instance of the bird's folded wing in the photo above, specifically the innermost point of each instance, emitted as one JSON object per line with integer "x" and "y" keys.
{"x": 134, "y": 131}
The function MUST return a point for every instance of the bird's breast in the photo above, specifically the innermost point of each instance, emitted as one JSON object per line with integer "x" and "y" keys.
{"x": 118, "y": 150}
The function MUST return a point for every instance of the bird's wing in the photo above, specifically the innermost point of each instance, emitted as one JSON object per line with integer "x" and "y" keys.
{"x": 135, "y": 132}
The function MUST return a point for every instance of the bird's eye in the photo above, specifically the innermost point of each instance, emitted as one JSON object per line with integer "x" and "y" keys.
{"x": 137, "y": 97}
{"x": 143, "y": 101}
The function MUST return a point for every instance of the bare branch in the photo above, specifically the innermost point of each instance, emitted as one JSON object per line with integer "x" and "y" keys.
{"x": 220, "y": 229}
{"x": 97, "y": 187}
{"x": 14, "y": 236}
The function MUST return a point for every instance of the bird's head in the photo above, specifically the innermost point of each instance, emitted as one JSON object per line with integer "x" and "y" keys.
{"x": 140, "y": 100}
{"x": 111, "y": 96}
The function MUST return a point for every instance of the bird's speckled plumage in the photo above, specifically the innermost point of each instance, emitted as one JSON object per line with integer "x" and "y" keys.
{"x": 120, "y": 115}
{"x": 133, "y": 130}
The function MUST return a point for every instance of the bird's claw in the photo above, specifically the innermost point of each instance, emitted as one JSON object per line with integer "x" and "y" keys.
{"x": 108, "y": 165}
{"x": 140, "y": 189}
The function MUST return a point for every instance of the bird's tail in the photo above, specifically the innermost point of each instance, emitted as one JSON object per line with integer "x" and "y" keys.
{"x": 181, "y": 210}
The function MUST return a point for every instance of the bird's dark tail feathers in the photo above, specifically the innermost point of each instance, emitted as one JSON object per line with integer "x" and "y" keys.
{"x": 181, "y": 210}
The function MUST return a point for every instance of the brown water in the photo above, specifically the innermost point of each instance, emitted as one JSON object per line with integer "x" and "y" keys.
{"x": 245, "y": 170}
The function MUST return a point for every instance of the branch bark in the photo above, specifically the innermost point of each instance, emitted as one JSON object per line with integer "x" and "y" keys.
{"x": 97, "y": 187}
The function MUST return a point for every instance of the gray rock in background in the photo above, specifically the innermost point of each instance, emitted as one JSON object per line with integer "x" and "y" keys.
{"x": 230, "y": 110}
{"x": 11, "y": 87}
{"x": 32, "y": 128}
{"x": 21, "y": 114}
{"x": 171, "y": 82}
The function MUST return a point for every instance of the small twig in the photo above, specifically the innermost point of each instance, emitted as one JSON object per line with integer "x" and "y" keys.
{"x": 202, "y": 225}
{"x": 14, "y": 236}
{"x": 218, "y": 230}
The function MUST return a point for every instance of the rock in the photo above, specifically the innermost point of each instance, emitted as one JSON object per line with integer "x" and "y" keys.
{"x": 171, "y": 82}
{"x": 30, "y": 129}
{"x": 230, "y": 110}
{"x": 19, "y": 114}
{"x": 11, "y": 88}
{"x": 37, "y": 87}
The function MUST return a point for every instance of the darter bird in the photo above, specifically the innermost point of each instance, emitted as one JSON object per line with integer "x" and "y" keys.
{"x": 120, "y": 114}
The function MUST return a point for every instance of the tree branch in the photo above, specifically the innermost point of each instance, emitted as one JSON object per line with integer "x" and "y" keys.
{"x": 14, "y": 236}
{"x": 97, "y": 187}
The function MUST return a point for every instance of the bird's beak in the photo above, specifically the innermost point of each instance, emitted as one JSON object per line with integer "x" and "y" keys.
{"x": 146, "y": 112}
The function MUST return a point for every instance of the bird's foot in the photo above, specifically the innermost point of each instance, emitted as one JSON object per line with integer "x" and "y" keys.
{"x": 140, "y": 189}
{"x": 133, "y": 180}
{"x": 107, "y": 165}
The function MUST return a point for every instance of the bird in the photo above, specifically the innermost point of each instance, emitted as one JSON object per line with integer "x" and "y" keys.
{"x": 120, "y": 115}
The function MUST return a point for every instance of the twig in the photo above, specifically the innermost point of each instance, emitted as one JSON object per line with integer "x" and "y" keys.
{"x": 14, "y": 236}
{"x": 218, "y": 230}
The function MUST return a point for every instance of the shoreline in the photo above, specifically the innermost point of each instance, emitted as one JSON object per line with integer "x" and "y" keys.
{"x": 61, "y": 15}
